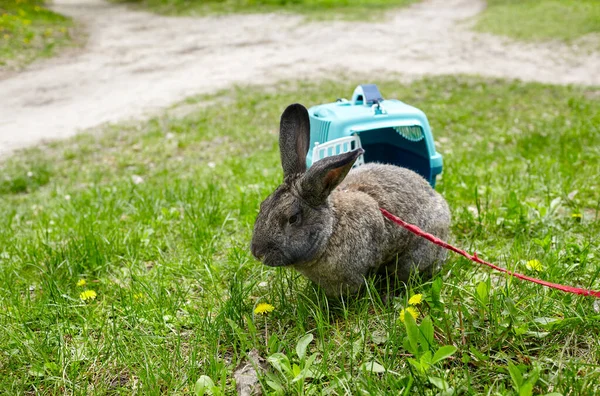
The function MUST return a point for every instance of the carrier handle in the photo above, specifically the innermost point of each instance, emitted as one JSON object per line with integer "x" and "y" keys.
{"x": 368, "y": 94}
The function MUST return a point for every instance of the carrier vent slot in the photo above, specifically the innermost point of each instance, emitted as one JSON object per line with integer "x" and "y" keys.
{"x": 414, "y": 133}
{"x": 322, "y": 130}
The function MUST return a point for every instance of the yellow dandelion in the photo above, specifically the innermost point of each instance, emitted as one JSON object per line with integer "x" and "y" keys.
{"x": 263, "y": 308}
{"x": 87, "y": 295}
{"x": 416, "y": 299}
{"x": 81, "y": 282}
{"x": 138, "y": 296}
{"x": 534, "y": 265}
{"x": 410, "y": 310}
{"x": 577, "y": 216}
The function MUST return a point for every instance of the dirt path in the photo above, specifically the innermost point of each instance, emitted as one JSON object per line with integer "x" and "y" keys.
{"x": 137, "y": 62}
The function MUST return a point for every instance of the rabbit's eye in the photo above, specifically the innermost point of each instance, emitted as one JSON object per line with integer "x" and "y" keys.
{"x": 294, "y": 219}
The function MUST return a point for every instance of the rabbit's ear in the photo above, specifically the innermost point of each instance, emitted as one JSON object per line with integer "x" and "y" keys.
{"x": 294, "y": 138}
{"x": 325, "y": 175}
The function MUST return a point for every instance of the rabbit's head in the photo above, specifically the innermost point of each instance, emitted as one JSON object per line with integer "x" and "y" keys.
{"x": 296, "y": 221}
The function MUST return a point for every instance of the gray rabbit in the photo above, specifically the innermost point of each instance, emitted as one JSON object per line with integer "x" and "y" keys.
{"x": 325, "y": 221}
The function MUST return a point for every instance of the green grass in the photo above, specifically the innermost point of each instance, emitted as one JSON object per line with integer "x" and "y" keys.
{"x": 541, "y": 19}
{"x": 28, "y": 30}
{"x": 314, "y": 9}
{"x": 156, "y": 217}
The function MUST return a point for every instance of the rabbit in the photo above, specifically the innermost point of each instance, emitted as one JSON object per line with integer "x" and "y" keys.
{"x": 325, "y": 222}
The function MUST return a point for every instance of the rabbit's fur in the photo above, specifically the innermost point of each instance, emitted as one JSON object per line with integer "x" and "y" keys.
{"x": 325, "y": 221}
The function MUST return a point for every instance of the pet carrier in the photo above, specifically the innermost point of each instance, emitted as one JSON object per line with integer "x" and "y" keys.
{"x": 389, "y": 131}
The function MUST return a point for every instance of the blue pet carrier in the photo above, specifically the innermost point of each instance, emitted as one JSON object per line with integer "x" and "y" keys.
{"x": 389, "y": 131}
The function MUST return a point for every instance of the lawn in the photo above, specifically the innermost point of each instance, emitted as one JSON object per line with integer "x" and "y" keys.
{"x": 314, "y": 9}
{"x": 541, "y": 19}
{"x": 29, "y": 30}
{"x": 125, "y": 263}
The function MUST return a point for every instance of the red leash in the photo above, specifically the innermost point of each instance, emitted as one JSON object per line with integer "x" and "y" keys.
{"x": 417, "y": 231}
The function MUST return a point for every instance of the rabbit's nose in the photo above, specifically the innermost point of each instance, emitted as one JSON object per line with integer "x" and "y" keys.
{"x": 257, "y": 250}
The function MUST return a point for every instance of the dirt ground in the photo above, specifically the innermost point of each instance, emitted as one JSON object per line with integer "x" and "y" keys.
{"x": 136, "y": 63}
